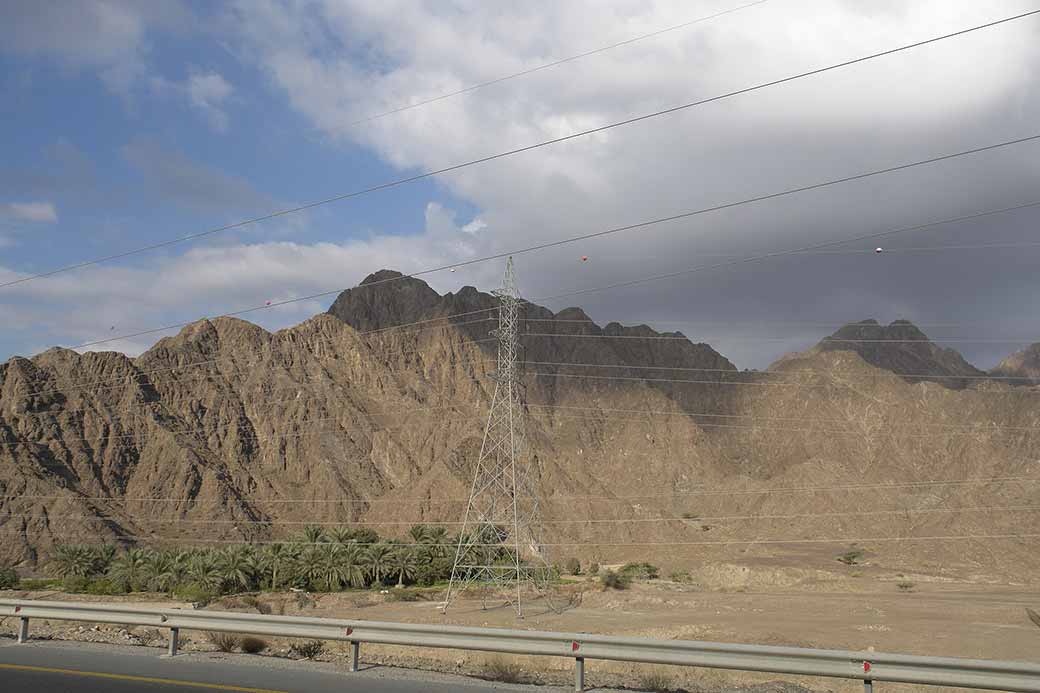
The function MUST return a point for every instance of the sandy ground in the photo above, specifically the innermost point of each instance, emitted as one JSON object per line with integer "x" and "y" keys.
{"x": 934, "y": 617}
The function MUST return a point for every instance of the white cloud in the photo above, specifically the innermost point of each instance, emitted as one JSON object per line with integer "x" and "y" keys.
{"x": 40, "y": 212}
{"x": 340, "y": 61}
{"x": 107, "y": 37}
{"x": 101, "y": 303}
{"x": 208, "y": 93}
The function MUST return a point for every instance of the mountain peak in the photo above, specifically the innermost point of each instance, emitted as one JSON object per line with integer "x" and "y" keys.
{"x": 900, "y": 347}
{"x": 1021, "y": 364}
{"x": 385, "y": 298}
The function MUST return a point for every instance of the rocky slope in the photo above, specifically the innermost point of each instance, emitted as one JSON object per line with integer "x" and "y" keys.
{"x": 648, "y": 445}
{"x": 1022, "y": 366}
{"x": 904, "y": 349}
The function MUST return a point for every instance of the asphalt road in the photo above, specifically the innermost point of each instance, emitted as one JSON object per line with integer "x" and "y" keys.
{"x": 64, "y": 667}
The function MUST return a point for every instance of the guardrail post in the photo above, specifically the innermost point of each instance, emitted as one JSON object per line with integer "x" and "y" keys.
{"x": 355, "y": 652}
{"x": 23, "y": 629}
{"x": 868, "y": 686}
{"x": 579, "y": 674}
{"x": 172, "y": 652}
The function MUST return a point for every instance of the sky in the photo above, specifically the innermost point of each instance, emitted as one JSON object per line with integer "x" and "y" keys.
{"x": 131, "y": 122}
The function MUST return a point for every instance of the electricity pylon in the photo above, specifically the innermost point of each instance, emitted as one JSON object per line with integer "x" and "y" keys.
{"x": 497, "y": 548}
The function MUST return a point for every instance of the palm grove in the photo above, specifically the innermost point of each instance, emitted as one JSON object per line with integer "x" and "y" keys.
{"x": 318, "y": 560}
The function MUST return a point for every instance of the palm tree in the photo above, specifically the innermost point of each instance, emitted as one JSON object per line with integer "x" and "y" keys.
{"x": 419, "y": 533}
{"x": 322, "y": 565}
{"x": 160, "y": 572}
{"x": 202, "y": 571}
{"x": 437, "y": 540}
{"x": 403, "y": 563}
{"x": 128, "y": 570}
{"x": 352, "y": 560}
{"x": 377, "y": 559}
{"x": 308, "y": 564}
{"x": 277, "y": 558}
{"x": 236, "y": 567}
{"x": 72, "y": 560}
{"x": 313, "y": 534}
{"x": 103, "y": 556}
{"x": 339, "y": 535}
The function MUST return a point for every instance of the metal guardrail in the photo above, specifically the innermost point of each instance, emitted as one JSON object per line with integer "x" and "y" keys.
{"x": 861, "y": 666}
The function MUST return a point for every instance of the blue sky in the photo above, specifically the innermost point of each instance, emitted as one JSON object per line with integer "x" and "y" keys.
{"x": 130, "y": 122}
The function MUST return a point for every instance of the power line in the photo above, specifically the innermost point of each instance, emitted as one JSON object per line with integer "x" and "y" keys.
{"x": 825, "y": 340}
{"x": 694, "y": 415}
{"x": 641, "y": 544}
{"x": 240, "y": 431}
{"x": 732, "y": 371}
{"x": 960, "y": 430}
{"x": 608, "y": 521}
{"x": 626, "y": 283}
{"x": 545, "y": 143}
{"x": 856, "y": 487}
{"x": 631, "y": 282}
{"x": 553, "y": 63}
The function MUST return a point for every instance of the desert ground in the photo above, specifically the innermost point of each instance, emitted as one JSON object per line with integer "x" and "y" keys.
{"x": 851, "y": 607}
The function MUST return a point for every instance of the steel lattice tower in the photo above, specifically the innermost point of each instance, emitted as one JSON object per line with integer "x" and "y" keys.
{"x": 497, "y": 548}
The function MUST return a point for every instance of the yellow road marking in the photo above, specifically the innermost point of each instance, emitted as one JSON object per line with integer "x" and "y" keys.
{"x": 137, "y": 679}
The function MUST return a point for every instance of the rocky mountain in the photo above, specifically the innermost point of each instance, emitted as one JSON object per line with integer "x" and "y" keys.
{"x": 1023, "y": 364}
{"x": 648, "y": 445}
{"x": 902, "y": 348}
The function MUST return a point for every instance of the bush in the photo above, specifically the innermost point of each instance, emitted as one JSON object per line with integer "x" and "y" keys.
{"x": 614, "y": 581}
{"x": 851, "y": 557}
{"x": 307, "y": 650}
{"x": 690, "y": 516}
{"x": 905, "y": 586}
{"x": 75, "y": 583}
{"x": 251, "y": 645}
{"x": 572, "y": 566}
{"x": 502, "y": 669}
{"x": 225, "y": 642}
{"x": 35, "y": 584}
{"x": 654, "y": 680}
{"x": 194, "y": 593}
{"x": 640, "y": 571}
{"x": 594, "y": 569}
{"x": 681, "y": 576}
{"x": 104, "y": 587}
{"x": 8, "y": 579}
{"x": 254, "y": 603}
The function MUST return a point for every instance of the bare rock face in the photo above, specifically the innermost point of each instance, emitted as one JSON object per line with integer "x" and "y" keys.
{"x": 902, "y": 348}
{"x": 1023, "y": 365}
{"x": 375, "y": 412}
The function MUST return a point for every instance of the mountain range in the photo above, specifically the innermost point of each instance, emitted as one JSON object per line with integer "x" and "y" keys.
{"x": 649, "y": 445}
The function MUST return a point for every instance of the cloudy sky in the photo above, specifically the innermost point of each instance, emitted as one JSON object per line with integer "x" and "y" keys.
{"x": 129, "y": 122}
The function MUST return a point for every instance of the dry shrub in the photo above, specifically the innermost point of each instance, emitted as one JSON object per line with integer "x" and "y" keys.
{"x": 308, "y": 650}
{"x": 253, "y": 645}
{"x": 655, "y": 680}
{"x": 225, "y": 642}
{"x": 254, "y": 603}
{"x": 149, "y": 635}
{"x": 502, "y": 669}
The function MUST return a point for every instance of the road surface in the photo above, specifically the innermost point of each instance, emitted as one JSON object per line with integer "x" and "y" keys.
{"x": 66, "y": 667}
